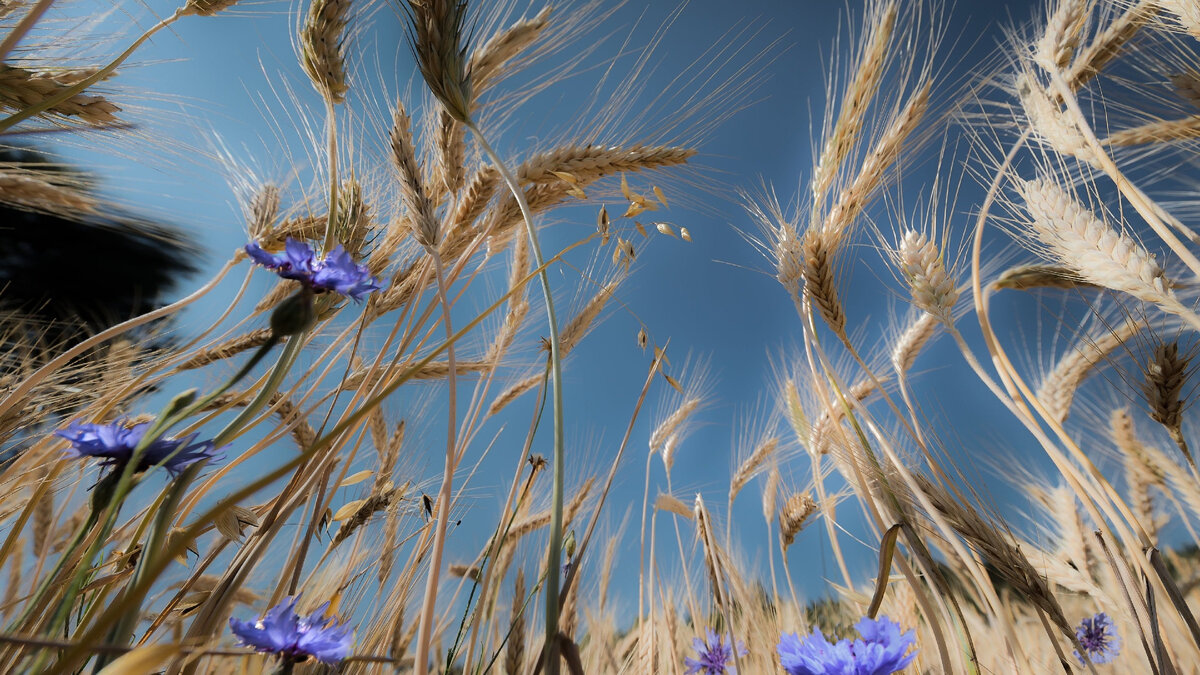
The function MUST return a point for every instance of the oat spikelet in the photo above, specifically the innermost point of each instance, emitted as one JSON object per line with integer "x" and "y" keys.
{"x": 1076, "y": 238}
{"x": 1057, "y": 390}
{"x": 412, "y": 192}
{"x": 322, "y": 48}
{"x": 933, "y": 290}
{"x": 753, "y": 464}
{"x": 206, "y": 7}
{"x": 794, "y": 516}
{"x": 372, "y": 505}
{"x": 21, "y": 89}
{"x": 1161, "y": 131}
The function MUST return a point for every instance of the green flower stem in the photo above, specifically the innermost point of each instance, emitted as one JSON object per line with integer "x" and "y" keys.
{"x": 554, "y": 552}
{"x": 286, "y": 359}
{"x": 165, "y": 513}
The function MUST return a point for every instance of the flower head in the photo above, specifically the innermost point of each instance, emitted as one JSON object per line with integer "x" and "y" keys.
{"x": 115, "y": 443}
{"x": 1099, "y": 638}
{"x": 295, "y": 638}
{"x": 880, "y": 651}
{"x": 715, "y": 657}
{"x": 335, "y": 272}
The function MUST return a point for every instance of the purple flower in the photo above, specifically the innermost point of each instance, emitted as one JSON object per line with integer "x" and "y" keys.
{"x": 715, "y": 657}
{"x": 295, "y": 638}
{"x": 335, "y": 272}
{"x": 880, "y": 651}
{"x": 1099, "y": 638}
{"x": 115, "y": 443}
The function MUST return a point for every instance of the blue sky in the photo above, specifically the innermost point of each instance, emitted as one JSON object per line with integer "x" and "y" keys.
{"x": 221, "y": 84}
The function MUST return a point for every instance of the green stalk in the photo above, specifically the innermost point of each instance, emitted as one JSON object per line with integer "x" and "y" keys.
{"x": 554, "y": 553}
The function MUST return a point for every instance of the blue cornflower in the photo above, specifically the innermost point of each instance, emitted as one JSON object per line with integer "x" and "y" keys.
{"x": 716, "y": 658}
{"x": 115, "y": 443}
{"x": 880, "y": 651}
{"x": 1099, "y": 638}
{"x": 336, "y": 272}
{"x": 295, "y": 638}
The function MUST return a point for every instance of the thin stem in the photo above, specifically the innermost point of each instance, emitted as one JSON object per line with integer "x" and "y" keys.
{"x": 554, "y": 552}
{"x": 331, "y": 130}
{"x": 446, "y": 493}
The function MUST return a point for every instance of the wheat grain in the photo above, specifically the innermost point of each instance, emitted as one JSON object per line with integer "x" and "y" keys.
{"x": 1047, "y": 119}
{"x": 910, "y": 343}
{"x": 412, "y": 193}
{"x": 820, "y": 286}
{"x": 322, "y": 48}
{"x": 933, "y": 290}
{"x": 868, "y": 73}
{"x": 21, "y": 89}
{"x": 514, "y": 654}
{"x": 1160, "y": 131}
{"x": 1058, "y": 388}
{"x": 752, "y": 465}
{"x": 488, "y": 61}
{"x": 794, "y": 516}
{"x": 1026, "y": 277}
{"x": 1055, "y": 48}
{"x": 1079, "y": 240}
{"x": 1187, "y": 15}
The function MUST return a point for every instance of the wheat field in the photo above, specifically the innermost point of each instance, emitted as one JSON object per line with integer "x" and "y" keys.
{"x": 348, "y": 449}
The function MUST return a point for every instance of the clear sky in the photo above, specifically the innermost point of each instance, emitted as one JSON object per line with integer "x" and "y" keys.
{"x": 221, "y": 83}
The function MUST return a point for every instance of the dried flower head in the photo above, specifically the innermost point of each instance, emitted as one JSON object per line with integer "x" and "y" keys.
{"x": 1099, "y": 639}
{"x": 880, "y": 651}
{"x": 294, "y": 638}
{"x": 115, "y": 442}
{"x": 714, "y": 657}
{"x": 336, "y": 271}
